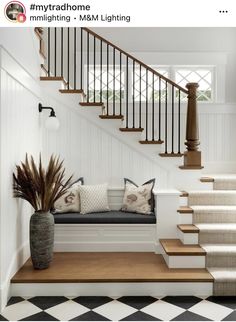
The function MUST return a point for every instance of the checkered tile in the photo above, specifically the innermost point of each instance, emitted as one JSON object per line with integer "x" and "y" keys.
{"x": 125, "y": 308}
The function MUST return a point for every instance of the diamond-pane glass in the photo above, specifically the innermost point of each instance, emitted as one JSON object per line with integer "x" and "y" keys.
{"x": 104, "y": 77}
{"x": 201, "y": 76}
{"x": 144, "y": 85}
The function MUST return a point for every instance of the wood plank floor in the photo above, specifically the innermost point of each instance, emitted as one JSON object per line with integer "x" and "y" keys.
{"x": 108, "y": 267}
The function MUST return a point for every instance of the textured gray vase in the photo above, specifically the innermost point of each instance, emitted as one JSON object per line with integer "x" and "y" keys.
{"x": 41, "y": 239}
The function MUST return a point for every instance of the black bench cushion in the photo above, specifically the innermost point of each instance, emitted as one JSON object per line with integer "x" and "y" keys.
{"x": 111, "y": 217}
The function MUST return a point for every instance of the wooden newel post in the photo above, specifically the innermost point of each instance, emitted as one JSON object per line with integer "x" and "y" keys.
{"x": 192, "y": 157}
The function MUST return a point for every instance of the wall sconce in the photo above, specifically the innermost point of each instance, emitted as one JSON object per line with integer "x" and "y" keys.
{"x": 52, "y": 123}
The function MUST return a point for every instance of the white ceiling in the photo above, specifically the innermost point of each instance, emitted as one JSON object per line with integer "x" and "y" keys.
{"x": 171, "y": 39}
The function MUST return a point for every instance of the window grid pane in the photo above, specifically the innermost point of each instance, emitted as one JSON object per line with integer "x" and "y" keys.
{"x": 201, "y": 76}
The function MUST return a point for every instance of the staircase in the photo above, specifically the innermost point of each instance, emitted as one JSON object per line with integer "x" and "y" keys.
{"x": 207, "y": 234}
{"x": 124, "y": 88}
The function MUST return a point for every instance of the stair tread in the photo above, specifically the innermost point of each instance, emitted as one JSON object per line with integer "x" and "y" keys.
{"x": 51, "y": 78}
{"x": 223, "y": 274}
{"x": 177, "y": 248}
{"x": 91, "y": 104}
{"x": 213, "y": 208}
{"x": 217, "y": 227}
{"x": 183, "y": 194}
{"x": 212, "y": 192}
{"x": 151, "y": 142}
{"x": 171, "y": 155}
{"x": 111, "y": 117}
{"x": 71, "y": 91}
{"x": 206, "y": 179}
{"x": 220, "y": 248}
{"x": 130, "y": 129}
{"x": 188, "y": 228}
{"x": 185, "y": 210}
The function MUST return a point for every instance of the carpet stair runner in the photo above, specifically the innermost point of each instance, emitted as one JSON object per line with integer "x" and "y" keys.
{"x": 214, "y": 213}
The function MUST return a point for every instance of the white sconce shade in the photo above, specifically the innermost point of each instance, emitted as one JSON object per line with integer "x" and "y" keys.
{"x": 52, "y": 123}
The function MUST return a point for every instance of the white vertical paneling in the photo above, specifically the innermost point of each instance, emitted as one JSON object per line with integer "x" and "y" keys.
{"x": 20, "y": 134}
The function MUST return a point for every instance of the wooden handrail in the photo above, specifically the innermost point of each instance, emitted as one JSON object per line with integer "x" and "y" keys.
{"x": 136, "y": 60}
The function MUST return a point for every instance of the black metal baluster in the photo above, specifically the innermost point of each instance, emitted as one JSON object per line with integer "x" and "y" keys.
{"x": 179, "y": 123}
{"x": 166, "y": 132}
{"x": 127, "y": 91}
{"x": 146, "y": 104}
{"x": 81, "y": 58}
{"x": 68, "y": 60}
{"x": 120, "y": 83}
{"x": 49, "y": 52}
{"x": 62, "y": 49}
{"x": 107, "y": 78}
{"x": 101, "y": 71}
{"x": 159, "y": 109}
{"x": 94, "y": 68}
{"x": 114, "y": 79}
{"x": 55, "y": 52}
{"x": 133, "y": 94}
{"x": 87, "y": 67}
{"x": 172, "y": 119}
{"x": 153, "y": 114}
{"x": 140, "y": 96}
{"x": 75, "y": 65}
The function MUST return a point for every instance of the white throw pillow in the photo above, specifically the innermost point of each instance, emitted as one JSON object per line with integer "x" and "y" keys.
{"x": 70, "y": 201}
{"x": 94, "y": 198}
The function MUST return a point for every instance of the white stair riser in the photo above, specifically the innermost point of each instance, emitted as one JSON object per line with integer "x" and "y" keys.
{"x": 186, "y": 218}
{"x": 184, "y": 261}
{"x": 183, "y": 201}
{"x": 188, "y": 238}
{"x": 157, "y": 289}
{"x": 173, "y": 261}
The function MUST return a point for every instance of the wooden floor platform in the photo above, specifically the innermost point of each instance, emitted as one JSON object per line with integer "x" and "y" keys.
{"x": 108, "y": 267}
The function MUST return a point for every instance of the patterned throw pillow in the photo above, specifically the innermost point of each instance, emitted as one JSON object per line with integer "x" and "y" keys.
{"x": 138, "y": 199}
{"x": 94, "y": 198}
{"x": 70, "y": 201}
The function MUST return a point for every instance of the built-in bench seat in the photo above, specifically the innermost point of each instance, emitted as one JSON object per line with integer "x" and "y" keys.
{"x": 110, "y": 217}
{"x": 106, "y": 231}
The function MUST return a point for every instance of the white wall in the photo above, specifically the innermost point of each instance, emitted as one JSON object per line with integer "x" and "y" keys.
{"x": 20, "y": 133}
{"x": 95, "y": 152}
{"x": 23, "y": 45}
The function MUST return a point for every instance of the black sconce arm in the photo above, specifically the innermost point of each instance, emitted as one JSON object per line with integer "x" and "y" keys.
{"x": 41, "y": 108}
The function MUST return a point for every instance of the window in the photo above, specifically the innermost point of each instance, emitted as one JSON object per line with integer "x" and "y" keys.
{"x": 100, "y": 83}
{"x": 98, "y": 79}
{"x": 201, "y": 75}
{"x": 140, "y": 89}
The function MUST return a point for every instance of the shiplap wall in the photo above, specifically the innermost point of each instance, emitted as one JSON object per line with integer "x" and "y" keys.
{"x": 91, "y": 152}
{"x": 20, "y": 133}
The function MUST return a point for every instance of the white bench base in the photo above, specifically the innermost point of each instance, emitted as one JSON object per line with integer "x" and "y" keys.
{"x": 105, "y": 237}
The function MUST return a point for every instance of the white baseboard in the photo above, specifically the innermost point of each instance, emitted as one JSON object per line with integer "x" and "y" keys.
{"x": 104, "y": 247}
{"x": 18, "y": 259}
{"x": 112, "y": 289}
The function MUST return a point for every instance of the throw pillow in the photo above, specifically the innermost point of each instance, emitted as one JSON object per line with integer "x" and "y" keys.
{"x": 94, "y": 198}
{"x": 138, "y": 199}
{"x": 70, "y": 201}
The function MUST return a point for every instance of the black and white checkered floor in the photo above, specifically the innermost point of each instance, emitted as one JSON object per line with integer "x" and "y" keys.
{"x": 126, "y": 308}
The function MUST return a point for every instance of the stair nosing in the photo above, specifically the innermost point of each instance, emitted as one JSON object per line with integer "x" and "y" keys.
{"x": 193, "y": 230}
{"x": 200, "y": 252}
